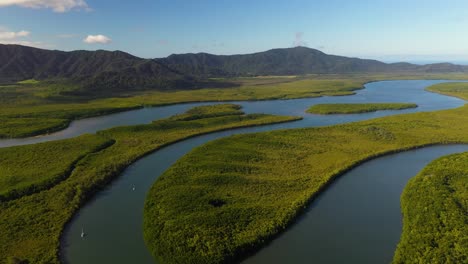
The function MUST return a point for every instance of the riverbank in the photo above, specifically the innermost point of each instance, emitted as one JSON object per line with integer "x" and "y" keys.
{"x": 32, "y": 225}
{"x": 330, "y": 109}
{"x": 32, "y": 109}
{"x": 25, "y": 170}
{"x": 36, "y": 108}
{"x": 434, "y": 210}
{"x": 266, "y": 179}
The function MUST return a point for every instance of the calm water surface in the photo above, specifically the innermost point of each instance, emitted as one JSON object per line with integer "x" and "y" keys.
{"x": 384, "y": 91}
{"x": 113, "y": 220}
{"x": 358, "y": 218}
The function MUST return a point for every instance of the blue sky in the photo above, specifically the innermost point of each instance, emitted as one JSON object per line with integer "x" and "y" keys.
{"x": 388, "y": 30}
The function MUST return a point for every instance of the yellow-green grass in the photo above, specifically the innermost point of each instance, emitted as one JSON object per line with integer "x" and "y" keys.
{"x": 455, "y": 89}
{"x": 435, "y": 214}
{"x": 31, "y": 225}
{"x": 29, "y": 103}
{"x": 49, "y": 100}
{"x": 30, "y": 126}
{"x": 29, "y": 169}
{"x": 209, "y": 111}
{"x": 29, "y": 81}
{"x": 329, "y": 109}
{"x": 230, "y": 196}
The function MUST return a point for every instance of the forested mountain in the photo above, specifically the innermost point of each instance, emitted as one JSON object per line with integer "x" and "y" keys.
{"x": 299, "y": 60}
{"x": 290, "y": 61}
{"x": 92, "y": 69}
{"x": 119, "y": 70}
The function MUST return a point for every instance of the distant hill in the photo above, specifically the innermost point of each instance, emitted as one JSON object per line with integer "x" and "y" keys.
{"x": 92, "y": 69}
{"x": 290, "y": 61}
{"x": 117, "y": 70}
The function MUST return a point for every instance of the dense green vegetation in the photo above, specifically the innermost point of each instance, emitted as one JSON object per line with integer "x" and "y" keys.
{"x": 453, "y": 89}
{"x": 106, "y": 71}
{"x": 31, "y": 225}
{"x": 209, "y": 111}
{"x": 93, "y": 71}
{"x": 435, "y": 214}
{"x": 32, "y": 168}
{"x": 228, "y": 197}
{"x": 35, "y": 108}
{"x": 329, "y": 109}
{"x": 43, "y": 91}
{"x": 23, "y": 127}
{"x": 31, "y": 109}
{"x": 56, "y": 87}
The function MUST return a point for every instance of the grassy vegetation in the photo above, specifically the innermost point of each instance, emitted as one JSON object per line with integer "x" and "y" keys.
{"x": 32, "y": 108}
{"x": 35, "y": 109}
{"x": 435, "y": 219}
{"x": 32, "y": 168}
{"x": 226, "y": 198}
{"x": 29, "y": 126}
{"x": 329, "y": 109}
{"x": 30, "y": 81}
{"x": 31, "y": 225}
{"x": 209, "y": 111}
{"x": 459, "y": 90}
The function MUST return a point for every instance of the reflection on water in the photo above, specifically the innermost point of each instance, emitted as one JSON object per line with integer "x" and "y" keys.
{"x": 358, "y": 218}
{"x": 385, "y": 91}
{"x": 113, "y": 220}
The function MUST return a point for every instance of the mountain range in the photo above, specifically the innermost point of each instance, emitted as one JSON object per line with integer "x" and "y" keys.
{"x": 119, "y": 70}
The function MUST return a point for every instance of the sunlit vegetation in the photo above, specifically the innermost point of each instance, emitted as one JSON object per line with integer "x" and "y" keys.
{"x": 329, "y": 109}
{"x": 453, "y": 89}
{"x": 30, "y": 126}
{"x": 48, "y": 101}
{"x": 36, "y": 109}
{"x": 435, "y": 206}
{"x": 31, "y": 225}
{"x": 209, "y": 111}
{"x": 32, "y": 168}
{"x": 227, "y": 198}
{"x": 30, "y": 81}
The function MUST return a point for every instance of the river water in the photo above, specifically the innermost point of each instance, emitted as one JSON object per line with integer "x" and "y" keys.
{"x": 356, "y": 220}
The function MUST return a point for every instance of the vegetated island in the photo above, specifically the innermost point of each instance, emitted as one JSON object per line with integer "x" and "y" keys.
{"x": 330, "y": 109}
{"x": 435, "y": 206}
{"x": 45, "y": 195}
{"x": 42, "y": 91}
{"x": 241, "y": 191}
{"x": 38, "y": 107}
{"x": 34, "y": 107}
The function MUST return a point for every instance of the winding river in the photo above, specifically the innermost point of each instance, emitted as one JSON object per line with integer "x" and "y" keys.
{"x": 337, "y": 227}
{"x": 358, "y": 218}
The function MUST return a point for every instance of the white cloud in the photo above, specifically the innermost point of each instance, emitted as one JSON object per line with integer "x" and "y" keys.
{"x": 92, "y": 39}
{"x": 58, "y": 6}
{"x": 10, "y": 35}
{"x": 20, "y": 38}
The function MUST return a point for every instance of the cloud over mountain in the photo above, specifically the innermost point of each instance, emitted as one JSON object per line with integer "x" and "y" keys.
{"x": 11, "y": 35}
{"x": 100, "y": 39}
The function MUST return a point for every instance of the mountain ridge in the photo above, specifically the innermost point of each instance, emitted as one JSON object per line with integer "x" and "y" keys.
{"x": 92, "y": 69}
{"x": 102, "y": 69}
{"x": 302, "y": 60}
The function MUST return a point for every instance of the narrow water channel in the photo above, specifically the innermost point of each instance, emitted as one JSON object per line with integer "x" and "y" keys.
{"x": 113, "y": 219}
{"x": 384, "y": 91}
{"x": 358, "y": 218}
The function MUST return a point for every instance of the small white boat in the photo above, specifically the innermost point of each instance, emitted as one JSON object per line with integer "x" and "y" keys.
{"x": 82, "y": 232}
{"x": 133, "y": 188}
